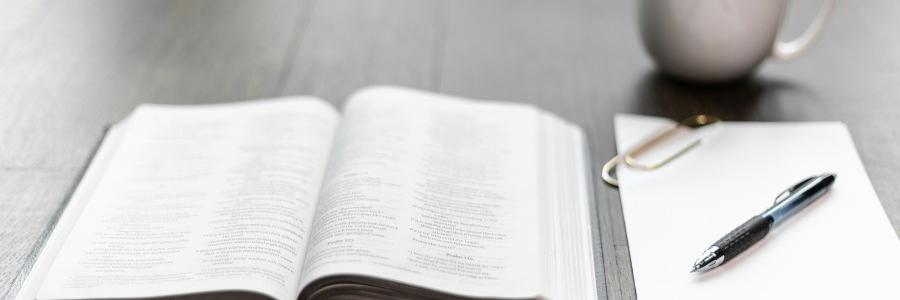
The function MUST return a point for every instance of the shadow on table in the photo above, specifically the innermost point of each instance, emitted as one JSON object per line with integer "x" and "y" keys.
{"x": 750, "y": 99}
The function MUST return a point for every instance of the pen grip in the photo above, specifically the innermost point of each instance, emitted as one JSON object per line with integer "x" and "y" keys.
{"x": 744, "y": 236}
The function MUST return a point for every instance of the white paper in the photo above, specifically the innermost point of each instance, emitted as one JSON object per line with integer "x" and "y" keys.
{"x": 73, "y": 210}
{"x": 478, "y": 199}
{"x": 200, "y": 199}
{"x": 840, "y": 247}
{"x": 415, "y": 196}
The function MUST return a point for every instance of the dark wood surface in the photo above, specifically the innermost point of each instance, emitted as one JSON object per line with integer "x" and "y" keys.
{"x": 68, "y": 68}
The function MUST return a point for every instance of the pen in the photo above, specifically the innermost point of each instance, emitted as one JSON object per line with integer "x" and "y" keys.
{"x": 786, "y": 204}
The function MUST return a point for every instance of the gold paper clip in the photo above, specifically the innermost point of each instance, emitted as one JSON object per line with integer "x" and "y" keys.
{"x": 629, "y": 156}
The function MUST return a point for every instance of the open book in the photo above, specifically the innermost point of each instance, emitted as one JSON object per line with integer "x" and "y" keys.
{"x": 406, "y": 195}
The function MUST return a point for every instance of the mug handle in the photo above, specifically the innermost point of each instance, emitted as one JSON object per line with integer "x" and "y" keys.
{"x": 784, "y": 51}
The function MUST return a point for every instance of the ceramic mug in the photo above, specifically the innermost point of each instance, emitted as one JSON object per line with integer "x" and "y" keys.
{"x": 719, "y": 40}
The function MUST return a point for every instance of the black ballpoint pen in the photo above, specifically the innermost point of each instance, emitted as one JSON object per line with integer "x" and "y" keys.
{"x": 786, "y": 204}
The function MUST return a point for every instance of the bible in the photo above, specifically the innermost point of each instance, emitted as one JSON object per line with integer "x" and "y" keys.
{"x": 404, "y": 194}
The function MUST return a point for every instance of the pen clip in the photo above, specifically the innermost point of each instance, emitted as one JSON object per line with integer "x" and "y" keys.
{"x": 790, "y": 191}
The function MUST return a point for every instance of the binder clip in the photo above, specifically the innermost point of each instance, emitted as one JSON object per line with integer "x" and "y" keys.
{"x": 628, "y": 157}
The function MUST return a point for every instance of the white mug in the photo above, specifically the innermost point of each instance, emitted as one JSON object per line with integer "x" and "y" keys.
{"x": 719, "y": 40}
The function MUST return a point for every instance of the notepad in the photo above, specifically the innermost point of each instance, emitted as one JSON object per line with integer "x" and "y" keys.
{"x": 841, "y": 247}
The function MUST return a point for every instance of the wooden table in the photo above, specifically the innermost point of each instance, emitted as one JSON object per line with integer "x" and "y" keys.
{"x": 68, "y": 68}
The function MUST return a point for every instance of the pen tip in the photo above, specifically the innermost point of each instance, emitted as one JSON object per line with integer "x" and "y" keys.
{"x": 829, "y": 178}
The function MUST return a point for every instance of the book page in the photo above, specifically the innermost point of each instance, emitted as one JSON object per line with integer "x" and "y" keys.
{"x": 73, "y": 208}
{"x": 565, "y": 220}
{"x": 199, "y": 199}
{"x": 433, "y": 192}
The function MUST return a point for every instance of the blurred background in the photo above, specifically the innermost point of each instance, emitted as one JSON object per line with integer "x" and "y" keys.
{"x": 70, "y": 68}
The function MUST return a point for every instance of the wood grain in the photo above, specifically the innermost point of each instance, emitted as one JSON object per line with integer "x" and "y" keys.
{"x": 67, "y": 69}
